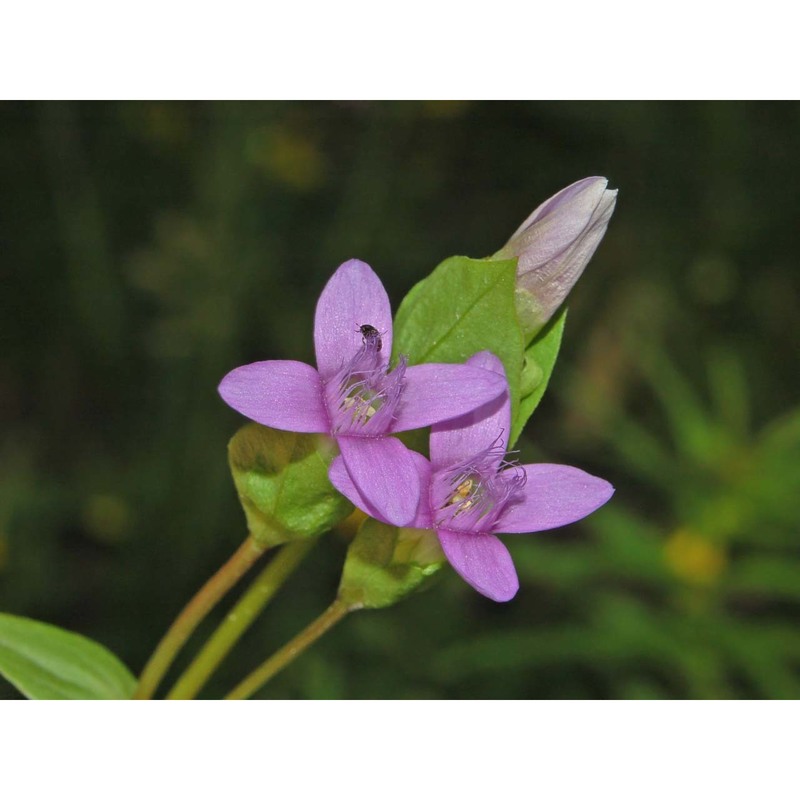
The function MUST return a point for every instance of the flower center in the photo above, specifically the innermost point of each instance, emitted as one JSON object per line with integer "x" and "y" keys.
{"x": 363, "y": 396}
{"x": 471, "y": 496}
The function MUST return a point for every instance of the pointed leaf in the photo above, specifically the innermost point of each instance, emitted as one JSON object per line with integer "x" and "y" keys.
{"x": 540, "y": 359}
{"x": 464, "y": 306}
{"x": 48, "y": 663}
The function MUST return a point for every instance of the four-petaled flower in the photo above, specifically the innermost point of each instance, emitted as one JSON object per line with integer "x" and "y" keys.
{"x": 354, "y": 397}
{"x": 470, "y": 493}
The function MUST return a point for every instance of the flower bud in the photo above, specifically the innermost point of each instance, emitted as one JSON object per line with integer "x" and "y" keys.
{"x": 553, "y": 246}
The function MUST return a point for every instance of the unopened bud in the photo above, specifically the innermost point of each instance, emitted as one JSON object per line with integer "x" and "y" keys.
{"x": 554, "y": 245}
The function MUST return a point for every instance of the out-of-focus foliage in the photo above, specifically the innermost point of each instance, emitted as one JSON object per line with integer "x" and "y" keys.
{"x": 148, "y": 248}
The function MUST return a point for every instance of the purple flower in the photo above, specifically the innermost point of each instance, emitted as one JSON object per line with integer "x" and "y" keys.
{"x": 555, "y": 243}
{"x": 470, "y": 493}
{"x": 354, "y": 397}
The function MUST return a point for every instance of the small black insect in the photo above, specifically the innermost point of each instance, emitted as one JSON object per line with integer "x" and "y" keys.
{"x": 371, "y": 334}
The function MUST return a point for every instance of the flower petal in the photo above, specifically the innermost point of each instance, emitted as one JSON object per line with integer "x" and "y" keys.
{"x": 341, "y": 479}
{"x": 483, "y": 562}
{"x": 385, "y": 472}
{"x": 354, "y": 296}
{"x": 282, "y": 394}
{"x": 438, "y": 392}
{"x": 553, "y": 495}
{"x": 460, "y": 439}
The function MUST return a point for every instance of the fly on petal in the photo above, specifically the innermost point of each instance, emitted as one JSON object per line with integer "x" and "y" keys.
{"x": 362, "y": 397}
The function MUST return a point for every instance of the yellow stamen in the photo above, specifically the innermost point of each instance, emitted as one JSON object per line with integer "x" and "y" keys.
{"x": 462, "y": 497}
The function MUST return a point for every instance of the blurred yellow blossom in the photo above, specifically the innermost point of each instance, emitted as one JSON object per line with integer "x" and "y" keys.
{"x": 106, "y": 517}
{"x": 694, "y": 558}
{"x": 288, "y": 156}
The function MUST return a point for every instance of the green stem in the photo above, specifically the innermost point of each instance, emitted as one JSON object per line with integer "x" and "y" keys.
{"x": 194, "y": 612}
{"x": 242, "y": 616}
{"x": 276, "y": 662}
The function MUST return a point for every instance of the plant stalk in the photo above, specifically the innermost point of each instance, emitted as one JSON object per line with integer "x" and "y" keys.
{"x": 194, "y": 612}
{"x": 276, "y": 662}
{"x": 240, "y": 618}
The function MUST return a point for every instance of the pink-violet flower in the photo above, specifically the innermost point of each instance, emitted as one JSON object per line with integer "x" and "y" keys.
{"x": 470, "y": 493}
{"x": 355, "y": 397}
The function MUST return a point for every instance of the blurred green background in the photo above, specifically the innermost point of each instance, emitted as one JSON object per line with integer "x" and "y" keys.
{"x": 148, "y": 248}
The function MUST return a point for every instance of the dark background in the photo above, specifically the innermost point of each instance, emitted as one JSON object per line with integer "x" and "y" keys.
{"x": 148, "y": 248}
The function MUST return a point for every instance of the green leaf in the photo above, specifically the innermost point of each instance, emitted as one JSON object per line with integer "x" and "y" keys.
{"x": 48, "y": 663}
{"x": 540, "y": 359}
{"x": 282, "y": 480}
{"x": 464, "y": 306}
{"x": 384, "y": 564}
